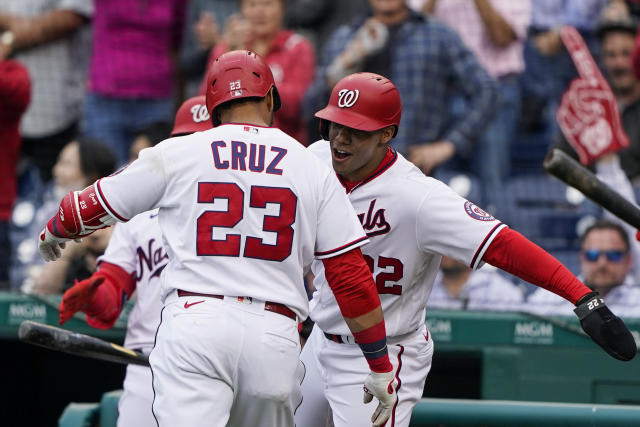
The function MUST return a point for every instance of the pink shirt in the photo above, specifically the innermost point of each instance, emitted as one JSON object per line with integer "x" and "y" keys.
{"x": 132, "y": 45}
{"x": 463, "y": 17}
{"x": 292, "y": 62}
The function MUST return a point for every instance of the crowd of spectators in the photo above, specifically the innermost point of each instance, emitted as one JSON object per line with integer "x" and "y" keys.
{"x": 90, "y": 83}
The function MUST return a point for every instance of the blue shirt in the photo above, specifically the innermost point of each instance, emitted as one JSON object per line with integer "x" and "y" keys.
{"x": 582, "y": 14}
{"x": 427, "y": 60}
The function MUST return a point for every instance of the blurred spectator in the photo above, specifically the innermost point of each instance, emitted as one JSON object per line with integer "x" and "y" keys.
{"x": 617, "y": 42}
{"x": 131, "y": 79}
{"x": 15, "y": 90}
{"x": 494, "y": 30}
{"x": 619, "y": 9}
{"x": 78, "y": 262}
{"x": 424, "y": 58}
{"x": 289, "y": 55}
{"x": 457, "y": 287}
{"x": 317, "y": 19}
{"x": 148, "y": 137}
{"x": 605, "y": 263}
{"x": 80, "y": 163}
{"x": 51, "y": 38}
{"x": 548, "y": 67}
{"x": 203, "y": 30}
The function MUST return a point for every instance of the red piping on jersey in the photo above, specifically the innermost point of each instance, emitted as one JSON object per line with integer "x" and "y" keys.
{"x": 515, "y": 254}
{"x": 484, "y": 242}
{"x": 395, "y": 405}
{"x": 389, "y": 159}
{"x": 106, "y": 202}
{"x": 341, "y": 247}
{"x": 248, "y": 124}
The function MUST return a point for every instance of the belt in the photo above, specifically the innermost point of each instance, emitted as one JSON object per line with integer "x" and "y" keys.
{"x": 340, "y": 339}
{"x": 348, "y": 339}
{"x": 274, "y": 307}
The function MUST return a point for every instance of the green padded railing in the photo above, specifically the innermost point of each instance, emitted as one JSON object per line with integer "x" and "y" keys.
{"x": 501, "y": 413}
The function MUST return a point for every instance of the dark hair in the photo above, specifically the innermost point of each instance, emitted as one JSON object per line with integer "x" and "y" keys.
{"x": 156, "y": 132}
{"x": 96, "y": 159}
{"x": 605, "y": 224}
{"x": 627, "y": 25}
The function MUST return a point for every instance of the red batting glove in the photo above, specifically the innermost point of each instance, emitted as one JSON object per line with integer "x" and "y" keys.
{"x": 638, "y": 235}
{"x": 78, "y": 297}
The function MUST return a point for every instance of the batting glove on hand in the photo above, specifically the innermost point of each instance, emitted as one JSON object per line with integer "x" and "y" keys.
{"x": 78, "y": 297}
{"x": 380, "y": 385}
{"x": 50, "y": 243}
{"x": 605, "y": 328}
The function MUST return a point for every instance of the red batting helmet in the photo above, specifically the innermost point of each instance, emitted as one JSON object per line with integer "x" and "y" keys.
{"x": 192, "y": 116}
{"x": 239, "y": 74}
{"x": 364, "y": 101}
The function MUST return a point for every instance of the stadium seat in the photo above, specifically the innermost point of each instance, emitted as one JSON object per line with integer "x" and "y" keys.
{"x": 79, "y": 415}
{"x": 109, "y": 408}
{"x": 546, "y": 210}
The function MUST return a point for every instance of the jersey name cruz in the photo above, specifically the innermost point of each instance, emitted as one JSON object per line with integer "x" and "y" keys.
{"x": 238, "y": 156}
{"x": 374, "y": 224}
{"x": 152, "y": 259}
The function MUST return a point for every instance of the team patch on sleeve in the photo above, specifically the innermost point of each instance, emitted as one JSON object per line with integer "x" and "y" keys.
{"x": 476, "y": 213}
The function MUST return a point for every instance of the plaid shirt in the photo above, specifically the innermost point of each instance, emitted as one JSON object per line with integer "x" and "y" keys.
{"x": 427, "y": 58}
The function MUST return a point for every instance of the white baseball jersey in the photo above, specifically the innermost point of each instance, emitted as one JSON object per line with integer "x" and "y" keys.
{"x": 411, "y": 221}
{"x": 243, "y": 211}
{"x": 136, "y": 247}
{"x": 484, "y": 290}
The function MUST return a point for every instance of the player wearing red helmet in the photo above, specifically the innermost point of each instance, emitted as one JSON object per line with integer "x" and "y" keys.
{"x": 192, "y": 116}
{"x": 244, "y": 209}
{"x": 236, "y": 75}
{"x": 411, "y": 221}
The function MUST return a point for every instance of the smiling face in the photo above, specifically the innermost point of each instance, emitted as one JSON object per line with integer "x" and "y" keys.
{"x": 265, "y": 16}
{"x": 355, "y": 154}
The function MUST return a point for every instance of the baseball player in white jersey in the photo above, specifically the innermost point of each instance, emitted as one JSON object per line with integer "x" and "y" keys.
{"x": 132, "y": 261}
{"x": 243, "y": 209}
{"x": 411, "y": 221}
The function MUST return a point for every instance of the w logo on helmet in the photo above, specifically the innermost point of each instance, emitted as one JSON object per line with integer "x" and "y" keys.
{"x": 200, "y": 113}
{"x": 347, "y": 98}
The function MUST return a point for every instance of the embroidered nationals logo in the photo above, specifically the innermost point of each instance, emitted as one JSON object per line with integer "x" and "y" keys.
{"x": 476, "y": 213}
{"x": 200, "y": 113}
{"x": 347, "y": 98}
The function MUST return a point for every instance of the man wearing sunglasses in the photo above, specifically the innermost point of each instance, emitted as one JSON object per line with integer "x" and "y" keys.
{"x": 605, "y": 265}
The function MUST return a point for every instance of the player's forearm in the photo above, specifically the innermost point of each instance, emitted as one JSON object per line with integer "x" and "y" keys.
{"x": 356, "y": 294}
{"x": 515, "y": 254}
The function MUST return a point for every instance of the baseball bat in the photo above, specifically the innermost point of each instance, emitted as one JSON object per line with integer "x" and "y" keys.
{"x": 79, "y": 344}
{"x": 566, "y": 169}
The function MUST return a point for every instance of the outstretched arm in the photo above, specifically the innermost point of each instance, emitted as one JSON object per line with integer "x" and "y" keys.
{"x": 514, "y": 253}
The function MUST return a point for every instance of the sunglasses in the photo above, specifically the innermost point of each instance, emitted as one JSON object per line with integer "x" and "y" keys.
{"x": 593, "y": 255}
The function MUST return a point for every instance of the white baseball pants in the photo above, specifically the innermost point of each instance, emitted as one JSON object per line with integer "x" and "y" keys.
{"x": 333, "y": 375}
{"x": 223, "y": 363}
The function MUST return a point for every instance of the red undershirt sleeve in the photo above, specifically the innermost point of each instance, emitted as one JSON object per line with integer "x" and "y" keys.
{"x": 356, "y": 294}
{"x": 515, "y": 254}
